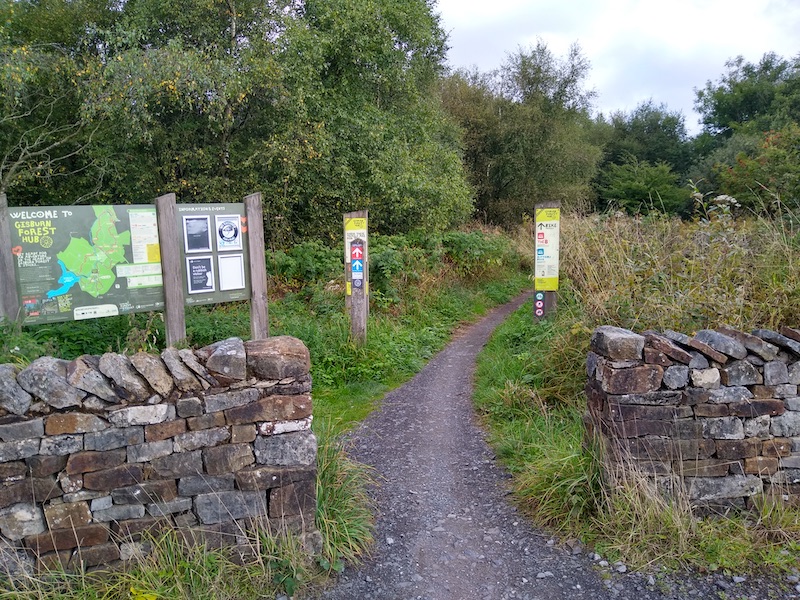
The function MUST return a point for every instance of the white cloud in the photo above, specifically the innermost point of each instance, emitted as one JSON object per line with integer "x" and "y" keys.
{"x": 639, "y": 49}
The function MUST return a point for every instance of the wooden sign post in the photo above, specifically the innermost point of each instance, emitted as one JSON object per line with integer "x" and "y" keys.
{"x": 547, "y": 226}
{"x": 356, "y": 272}
{"x": 259, "y": 307}
{"x": 9, "y": 304}
{"x": 169, "y": 241}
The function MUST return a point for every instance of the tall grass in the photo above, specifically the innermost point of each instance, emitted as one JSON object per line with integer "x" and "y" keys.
{"x": 650, "y": 272}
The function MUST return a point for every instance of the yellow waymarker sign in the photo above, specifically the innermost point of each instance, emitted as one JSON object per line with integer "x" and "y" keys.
{"x": 548, "y": 223}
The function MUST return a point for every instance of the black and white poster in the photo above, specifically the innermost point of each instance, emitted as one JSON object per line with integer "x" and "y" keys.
{"x": 229, "y": 232}
{"x": 200, "y": 274}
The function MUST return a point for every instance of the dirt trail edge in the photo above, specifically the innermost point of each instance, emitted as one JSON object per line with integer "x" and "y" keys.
{"x": 445, "y": 527}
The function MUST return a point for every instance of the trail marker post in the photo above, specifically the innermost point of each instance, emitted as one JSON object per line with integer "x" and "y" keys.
{"x": 547, "y": 226}
{"x": 357, "y": 272}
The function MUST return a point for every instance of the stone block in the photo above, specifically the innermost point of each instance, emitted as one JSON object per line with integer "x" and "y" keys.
{"x": 83, "y": 495}
{"x": 70, "y": 484}
{"x": 229, "y": 359}
{"x": 146, "y": 492}
{"x": 83, "y": 374}
{"x": 232, "y": 399}
{"x": 738, "y": 449}
{"x": 294, "y": 499}
{"x": 205, "y": 378}
{"x": 634, "y": 380}
{"x": 777, "y": 339}
{"x": 19, "y": 449}
{"x": 228, "y": 458}
{"x": 243, "y": 434}
{"x": 786, "y": 425}
{"x": 111, "y": 479}
{"x": 189, "y": 407}
{"x": 165, "y": 430}
{"x": 776, "y": 373}
{"x": 267, "y": 478}
{"x": 279, "y": 427}
{"x": 45, "y": 378}
{"x": 66, "y": 539}
{"x": 73, "y": 423}
{"x": 757, "y": 427}
{"x": 205, "y": 484}
{"x": 112, "y": 438}
{"x": 729, "y": 394}
{"x": 129, "y": 384}
{"x": 760, "y": 465}
{"x": 276, "y": 408}
{"x": 692, "y": 396}
{"x": 13, "y": 398}
{"x": 662, "y": 449}
{"x": 134, "y": 529}
{"x": 668, "y": 347}
{"x": 705, "y": 489}
{"x": 67, "y": 515}
{"x": 88, "y": 461}
{"x": 21, "y": 520}
{"x": 178, "y": 465}
{"x": 142, "y": 415}
{"x": 17, "y": 429}
{"x": 629, "y": 412}
{"x": 149, "y": 451}
{"x": 785, "y": 390}
{"x": 794, "y": 373}
{"x": 220, "y": 507}
{"x": 722, "y": 343}
{"x": 101, "y": 503}
{"x": 763, "y": 349}
{"x": 120, "y": 512}
{"x": 698, "y": 361}
{"x": 712, "y": 410}
{"x": 702, "y": 468}
{"x": 662, "y": 398}
{"x": 155, "y": 372}
{"x": 723, "y": 428}
{"x": 763, "y": 392}
{"x": 696, "y": 344}
{"x": 289, "y": 449}
{"x": 60, "y": 445}
{"x": 786, "y": 477}
{"x": 208, "y": 421}
{"x": 617, "y": 343}
{"x": 676, "y": 377}
{"x": 652, "y": 357}
{"x": 194, "y": 440}
{"x": 757, "y": 408}
{"x": 15, "y": 471}
{"x": 163, "y": 509}
{"x": 93, "y": 556}
{"x": 705, "y": 378}
{"x": 740, "y": 372}
{"x": 277, "y": 357}
{"x": 183, "y": 377}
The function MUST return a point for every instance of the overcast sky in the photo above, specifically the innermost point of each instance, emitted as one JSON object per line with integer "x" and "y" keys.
{"x": 638, "y": 49}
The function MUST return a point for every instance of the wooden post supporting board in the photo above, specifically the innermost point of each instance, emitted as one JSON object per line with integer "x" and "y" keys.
{"x": 547, "y": 227}
{"x": 357, "y": 272}
{"x": 259, "y": 306}
{"x": 9, "y": 303}
{"x": 171, "y": 269}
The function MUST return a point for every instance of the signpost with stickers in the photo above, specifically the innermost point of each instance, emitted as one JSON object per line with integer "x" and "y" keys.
{"x": 356, "y": 272}
{"x": 547, "y": 226}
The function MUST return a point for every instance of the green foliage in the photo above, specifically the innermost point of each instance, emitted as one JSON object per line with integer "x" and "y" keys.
{"x": 652, "y": 133}
{"x": 306, "y": 262}
{"x": 639, "y": 187}
{"x": 527, "y": 134}
{"x": 757, "y": 97}
{"x": 767, "y": 180}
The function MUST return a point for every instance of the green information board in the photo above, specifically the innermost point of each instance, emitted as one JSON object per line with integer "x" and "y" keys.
{"x": 82, "y": 262}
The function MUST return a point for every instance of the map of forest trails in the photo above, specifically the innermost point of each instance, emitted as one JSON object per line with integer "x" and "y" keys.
{"x": 93, "y": 262}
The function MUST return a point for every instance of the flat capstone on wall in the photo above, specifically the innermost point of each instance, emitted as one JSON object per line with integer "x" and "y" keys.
{"x": 718, "y": 411}
{"x": 98, "y": 452}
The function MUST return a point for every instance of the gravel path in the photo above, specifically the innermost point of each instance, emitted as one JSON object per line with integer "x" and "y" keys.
{"x": 445, "y": 527}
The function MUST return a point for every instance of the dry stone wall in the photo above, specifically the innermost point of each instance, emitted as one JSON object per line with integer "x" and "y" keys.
{"x": 98, "y": 451}
{"x": 717, "y": 412}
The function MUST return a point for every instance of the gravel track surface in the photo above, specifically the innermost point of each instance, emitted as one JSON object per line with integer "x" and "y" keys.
{"x": 445, "y": 527}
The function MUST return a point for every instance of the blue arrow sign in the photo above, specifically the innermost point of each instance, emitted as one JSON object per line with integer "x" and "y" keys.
{"x": 358, "y": 266}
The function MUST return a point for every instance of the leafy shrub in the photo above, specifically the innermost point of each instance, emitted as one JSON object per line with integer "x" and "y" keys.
{"x": 306, "y": 262}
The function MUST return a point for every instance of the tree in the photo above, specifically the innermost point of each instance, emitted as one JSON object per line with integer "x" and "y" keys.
{"x": 528, "y": 136}
{"x": 640, "y": 187}
{"x": 756, "y": 96}
{"x": 652, "y": 133}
